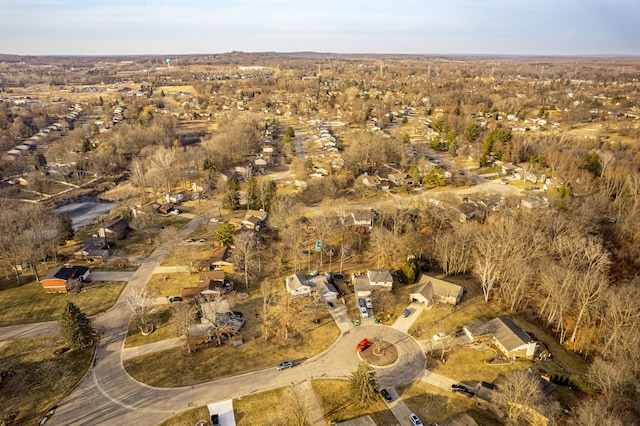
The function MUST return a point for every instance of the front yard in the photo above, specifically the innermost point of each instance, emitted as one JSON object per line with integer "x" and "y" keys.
{"x": 28, "y": 303}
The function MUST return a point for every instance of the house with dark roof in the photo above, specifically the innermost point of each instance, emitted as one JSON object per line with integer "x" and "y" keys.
{"x": 510, "y": 339}
{"x": 93, "y": 250}
{"x": 431, "y": 290}
{"x": 115, "y": 230}
{"x": 66, "y": 279}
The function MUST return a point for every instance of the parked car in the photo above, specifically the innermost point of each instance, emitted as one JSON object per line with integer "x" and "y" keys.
{"x": 364, "y": 344}
{"x": 189, "y": 240}
{"x": 415, "y": 420}
{"x": 364, "y": 312}
{"x": 202, "y": 240}
{"x": 175, "y": 299}
{"x": 368, "y": 302}
{"x": 386, "y": 395}
{"x": 362, "y": 303}
{"x": 283, "y": 365}
{"x": 331, "y": 305}
{"x": 439, "y": 336}
{"x": 406, "y": 313}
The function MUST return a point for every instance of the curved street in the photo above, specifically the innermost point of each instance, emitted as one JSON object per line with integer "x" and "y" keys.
{"x": 108, "y": 395}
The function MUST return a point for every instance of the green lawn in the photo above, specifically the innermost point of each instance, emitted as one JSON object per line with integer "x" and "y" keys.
{"x": 40, "y": 378}
{"x": 28, "y": 303}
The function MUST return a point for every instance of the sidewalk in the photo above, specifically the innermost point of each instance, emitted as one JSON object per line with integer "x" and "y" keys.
{"x": 150, "y": 348}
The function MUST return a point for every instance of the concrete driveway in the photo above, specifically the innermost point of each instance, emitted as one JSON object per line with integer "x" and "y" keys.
{"x": 403, "y": 324}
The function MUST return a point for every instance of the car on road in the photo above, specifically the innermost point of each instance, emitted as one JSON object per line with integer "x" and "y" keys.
{"x": 386, "y": 395}
{"x": 331, "y": 305}
{"x": 368, "y": 302}
{"x": 406, "y": 313}
{"x": 364, "y": 313}
{"x": 175, "y": 299}
{"x": 283, "y": 365}
{"x": 364, "y": 344}
{"x": 415, "y": 420}
{"x": 362, "y": 303}
{"x": 439, "y": 336}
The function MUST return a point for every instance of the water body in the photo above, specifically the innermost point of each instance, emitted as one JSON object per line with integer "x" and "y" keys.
{"x": 85, "y": 211}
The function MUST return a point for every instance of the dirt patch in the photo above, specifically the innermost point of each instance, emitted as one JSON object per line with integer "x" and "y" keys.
{"x": 380, "y": 354}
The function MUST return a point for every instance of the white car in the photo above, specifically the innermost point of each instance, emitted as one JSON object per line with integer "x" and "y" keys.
{"x": 415, "y": 420}
{"x": 364, "y": 312}
{"x": 368, "y": 302}
{"x": 439, "y": 336}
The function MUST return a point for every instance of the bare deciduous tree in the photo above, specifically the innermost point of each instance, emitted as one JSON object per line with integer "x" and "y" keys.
{"x": 141, "y": 304}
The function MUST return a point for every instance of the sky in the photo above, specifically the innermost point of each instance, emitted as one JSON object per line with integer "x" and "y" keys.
{"x": 166, "y": 27}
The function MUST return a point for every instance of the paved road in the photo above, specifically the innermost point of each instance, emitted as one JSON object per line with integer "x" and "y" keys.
{"x": 108, "y": 395}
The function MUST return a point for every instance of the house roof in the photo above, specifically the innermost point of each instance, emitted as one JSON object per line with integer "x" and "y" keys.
{"x": 504, "y": 330}
{"x": 432, "y": 286}
{"x": 118, "y": 224}
{"x": 65, "y": 273}
{"x": 90, "y": 244}
{"x": 208, "y": 278}
{"x": 322, "y": 286}
{"x": 379, "y": 276}
{"x": 219, "y": 255}
{"x": 296, "y": 281}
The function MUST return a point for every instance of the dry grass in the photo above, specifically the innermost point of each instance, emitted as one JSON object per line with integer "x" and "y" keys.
{"x": 163, "y": 328}
{"x": 170, "y": 368}
{"x": 433, "y": 404}
{"x": 275, "y": 407}
{"x": 467, "y": 364}
{"x": 41, "y": 378}
{"x": 338, "y": 405}
{"x": 29, "y": 303}
{"x": 171, "y": 284}
{"x": 188, "y": 417}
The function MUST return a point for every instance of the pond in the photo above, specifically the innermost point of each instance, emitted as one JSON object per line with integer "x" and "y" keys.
{"x": 85, "y": 210}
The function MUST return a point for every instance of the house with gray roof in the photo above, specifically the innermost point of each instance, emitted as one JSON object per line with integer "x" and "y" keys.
{"x": 431, "y": 290}
{"x": 510, "y": 339}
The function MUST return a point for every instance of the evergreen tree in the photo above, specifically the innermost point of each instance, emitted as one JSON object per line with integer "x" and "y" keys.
{"x": 472, "y": 131}
{"x": 210, "y": 167}
{"x": 364, "y": 384}
{"x": 75, "y": 327}
{"x": 231, "y": 200}
{"x": 410, "y": 271}
{"x": 269, "y": 190}
{"x": 40, "y": 161}
{"x": 65, "y": 229}
{"x": 253, "y": 194}
{"x": 225, "y": 233}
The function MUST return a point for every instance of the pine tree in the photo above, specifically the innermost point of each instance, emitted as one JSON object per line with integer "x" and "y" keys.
{"x": 253, "y": 194}
{"x": 232, "y": 200}
{"x": 75, "y": 327}
{"x": 65, "y": 229}
{"x": 364, "y": 384}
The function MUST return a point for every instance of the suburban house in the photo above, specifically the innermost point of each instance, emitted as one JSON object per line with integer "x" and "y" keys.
{"x": 358, "y": 220}
{"x": 217, "y": 317}
{"x": 116, "y": 230}
{"x": 66, "y": 279}
{"x": 219, "y": 260}
{"x": 93, "y": 250}
{"x": 431, "y": 290}
{"x": 324, "y": 289}
{"x": 364, "y": 284}
{"x": 209, "y": 282}
{"x": 175, "y": 197}
{"x": 297, "y": 285}
{"x": 512, "y": 341}
{"x": 380, "y": 278}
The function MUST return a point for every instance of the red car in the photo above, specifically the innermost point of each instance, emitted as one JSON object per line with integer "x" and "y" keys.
{"x": 364, "y": 344}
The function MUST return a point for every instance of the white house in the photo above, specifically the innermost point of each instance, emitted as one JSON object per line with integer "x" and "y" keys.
{"x": 512, "y": 341}
{"x": 326, "y": 290}
{"x": 431, "y": 290}
{"x": 380, "y": 278}
{"x": 297, "y": 285}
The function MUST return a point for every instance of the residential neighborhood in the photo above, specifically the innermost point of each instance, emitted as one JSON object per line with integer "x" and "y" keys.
{"x": 265, "y": 238}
